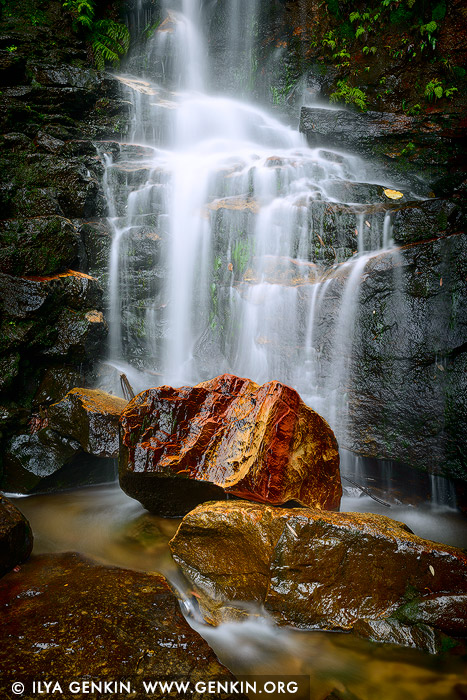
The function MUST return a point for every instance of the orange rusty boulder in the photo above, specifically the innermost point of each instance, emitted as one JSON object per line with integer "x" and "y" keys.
{"x": 90, "y": 416}
{"x": 318, "y": 569}
{"x": 180, "y": 447}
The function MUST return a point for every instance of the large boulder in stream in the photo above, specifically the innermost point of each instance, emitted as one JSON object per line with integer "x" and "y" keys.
{"x": 46, "y": 461}
{"x": 15, "y": 536}
{"x": 90, "y": 416}
{"x": 67, "y": 619}
{"x": 180, "y": 447}
{"x": 316, "y": 569}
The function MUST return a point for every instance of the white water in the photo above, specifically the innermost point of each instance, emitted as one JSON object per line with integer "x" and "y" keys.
{"x": 250, "y": 228}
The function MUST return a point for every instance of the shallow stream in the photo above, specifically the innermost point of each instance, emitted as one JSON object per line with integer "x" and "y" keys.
{"x": 106, "y": 525}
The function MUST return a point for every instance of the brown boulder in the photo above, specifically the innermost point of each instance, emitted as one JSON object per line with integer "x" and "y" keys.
{"x": 318, "y": 569}
{"x": 90, "y": 416}
{"x": 15, "y": 536}
{"x": 180, "y": 447}
{"x": 65, "y": 619}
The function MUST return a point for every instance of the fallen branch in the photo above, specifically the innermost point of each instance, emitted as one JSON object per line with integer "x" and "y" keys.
{"x": 127, "y": 389}
{"x": 367, "y": 491}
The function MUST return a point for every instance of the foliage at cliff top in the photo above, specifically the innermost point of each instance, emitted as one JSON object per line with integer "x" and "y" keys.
{"x": 371, "y": 43}
{"x": 99, "y": 25}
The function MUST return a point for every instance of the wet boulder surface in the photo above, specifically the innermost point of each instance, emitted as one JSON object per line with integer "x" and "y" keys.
{"x": 90, "y": 416}
{"x": 317, "y": 569}
{"x": 66, "y": 618}
{"x": 45, "y": 461}
{"x": 180, "y": 447}
{"x": 16, "y": 537}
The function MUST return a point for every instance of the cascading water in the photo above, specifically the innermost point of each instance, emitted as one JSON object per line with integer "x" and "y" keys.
{"x": 235, "y": 247}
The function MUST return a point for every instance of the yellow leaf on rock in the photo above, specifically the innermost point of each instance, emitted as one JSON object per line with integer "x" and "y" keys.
{"x": 393, "y": 194}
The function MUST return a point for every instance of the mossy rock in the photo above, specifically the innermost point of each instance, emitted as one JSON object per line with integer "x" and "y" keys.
{"x": 38, "y": 246}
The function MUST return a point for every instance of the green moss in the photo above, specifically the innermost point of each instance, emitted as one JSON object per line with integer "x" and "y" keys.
{"x": 242, "y": 253}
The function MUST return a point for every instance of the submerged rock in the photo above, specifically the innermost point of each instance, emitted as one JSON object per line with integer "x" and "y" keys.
{"x": 180, "y": 447}
{"x": 63, "y": 613}
{"x": 315, "y": 569}
{"x": 90, "y": 416}
{"x": 15, "y": 536}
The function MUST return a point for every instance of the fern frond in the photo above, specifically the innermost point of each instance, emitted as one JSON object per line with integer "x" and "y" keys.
{"x": 103, "y": 54}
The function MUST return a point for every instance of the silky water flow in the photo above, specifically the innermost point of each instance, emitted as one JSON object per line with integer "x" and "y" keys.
{"x": 236, "y": 247}
{"x": 221, "y": 257}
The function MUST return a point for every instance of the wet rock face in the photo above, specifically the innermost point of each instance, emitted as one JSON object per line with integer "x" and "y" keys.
{"x": 91, "y": 417}
{"x": 182, "y": 446}
{"x": 426, "y": 220}
{"x": 54, "y": 105}
{"x": 409, "y": 386}
{"x": 31, "y": 458}
{"x": 428, "y": 141}
{"x": 37, "y": 246}
{"x": 319, "y": 569}
{"x": 65, "y": 612}
{"x": 49, "y": 325}
{"x": 15, "y": 536}
{"x": 22, "y": 297}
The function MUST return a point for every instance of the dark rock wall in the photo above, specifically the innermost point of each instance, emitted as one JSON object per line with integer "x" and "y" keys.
{"x": 408, "y": 395}
{"x": 408, "y": 386}
{"x": 53, "y": 106}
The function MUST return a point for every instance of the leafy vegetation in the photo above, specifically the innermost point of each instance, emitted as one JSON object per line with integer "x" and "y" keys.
{"x": 380, "y": 33}
{"x": 436, "y": 90}
{"x": 349, "y": 95}
{"x": 109, "y": 40}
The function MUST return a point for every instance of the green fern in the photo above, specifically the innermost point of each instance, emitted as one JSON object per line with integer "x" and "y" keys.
{"x": 109, "y": 40}
{"x": 349, "y": 95}
{"x": 82, "y": 12}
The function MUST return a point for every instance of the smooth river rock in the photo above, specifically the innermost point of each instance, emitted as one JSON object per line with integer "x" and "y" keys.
{"x": 316, "y": 569}
{"x": 66, "y": 619}
{"x": 180, "y": 447}
{"x": 90, "y": 416}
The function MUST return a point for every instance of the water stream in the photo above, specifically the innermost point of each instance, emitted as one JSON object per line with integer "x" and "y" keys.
{"x": 105, "y": 524}
{"x": 236, "y": 247}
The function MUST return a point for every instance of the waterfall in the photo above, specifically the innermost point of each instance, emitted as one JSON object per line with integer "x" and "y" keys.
{"x": 236, "y": 247}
